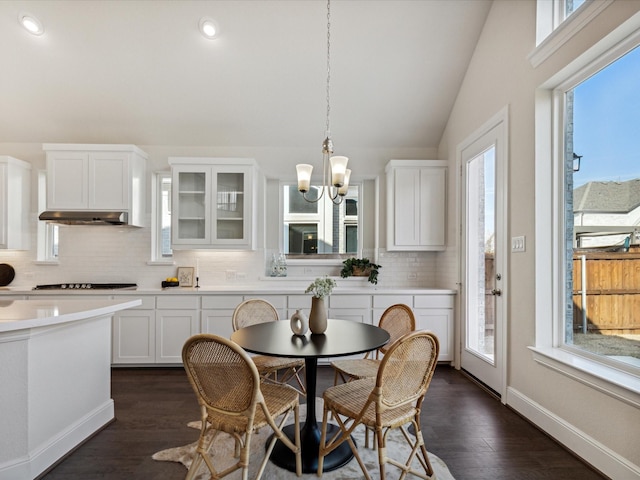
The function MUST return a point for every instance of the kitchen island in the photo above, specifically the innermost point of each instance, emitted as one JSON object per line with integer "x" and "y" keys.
{"x": 55, "y": 360}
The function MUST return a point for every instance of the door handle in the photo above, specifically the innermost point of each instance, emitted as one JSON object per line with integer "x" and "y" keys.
{"x": 496, "y": 291}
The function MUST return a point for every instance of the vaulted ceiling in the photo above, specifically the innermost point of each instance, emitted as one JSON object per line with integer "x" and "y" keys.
{"x": 140, "y": 71}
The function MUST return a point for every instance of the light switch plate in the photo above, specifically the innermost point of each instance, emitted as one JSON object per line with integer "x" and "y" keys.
{"x": 518, "y": 244}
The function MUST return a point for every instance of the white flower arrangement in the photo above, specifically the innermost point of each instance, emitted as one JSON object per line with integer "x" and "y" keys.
{"x": 321, "y": 287}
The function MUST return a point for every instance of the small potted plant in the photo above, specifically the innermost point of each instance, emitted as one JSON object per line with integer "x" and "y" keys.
{"x": 320, "y": 288}
{"x": 360, "y": 267}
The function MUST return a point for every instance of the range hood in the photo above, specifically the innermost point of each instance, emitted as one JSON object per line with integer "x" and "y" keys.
{"x": 85, "y": 218}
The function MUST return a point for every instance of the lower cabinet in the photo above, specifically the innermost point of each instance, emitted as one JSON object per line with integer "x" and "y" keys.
{"x": 435, "y": 313}
{"x": 216, "y": 313}
{"x": 134, "y": 337}
{"x": 154, "y": 332}
{"x": 134, "y": 334}
{"x": 177, "y": 319}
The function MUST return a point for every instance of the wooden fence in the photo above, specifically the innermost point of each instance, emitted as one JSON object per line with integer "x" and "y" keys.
{"x": 612, "y": 295}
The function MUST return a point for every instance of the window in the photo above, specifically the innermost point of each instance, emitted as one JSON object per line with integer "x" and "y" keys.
{"x": 557, "y": 21}
{"x": 47, "y": 249}
{"x": 602, "y": 212}
{"x": 571, "y": 6}
{"x": 321, "y": 228}
{"x": 560, "y": 102}
{"x": 161, "y": 225}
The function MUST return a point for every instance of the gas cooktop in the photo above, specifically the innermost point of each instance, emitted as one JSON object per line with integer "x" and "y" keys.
{"x": 87, "y": 286}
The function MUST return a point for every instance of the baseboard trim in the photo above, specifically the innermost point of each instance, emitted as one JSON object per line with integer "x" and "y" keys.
{"x": 43, "y": 457}
{"x": 587, "y": 448}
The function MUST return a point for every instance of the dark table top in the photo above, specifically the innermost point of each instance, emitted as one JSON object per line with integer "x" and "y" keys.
{"x": 342, "y": 337}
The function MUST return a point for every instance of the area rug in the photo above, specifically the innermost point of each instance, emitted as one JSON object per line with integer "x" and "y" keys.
{"x": 223, "y": 450}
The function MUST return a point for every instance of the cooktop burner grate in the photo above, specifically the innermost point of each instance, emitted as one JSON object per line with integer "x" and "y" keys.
{"x": 87, "y": 286}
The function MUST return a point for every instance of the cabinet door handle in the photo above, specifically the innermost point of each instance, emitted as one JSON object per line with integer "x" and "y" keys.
{"x": 496, "y": 292}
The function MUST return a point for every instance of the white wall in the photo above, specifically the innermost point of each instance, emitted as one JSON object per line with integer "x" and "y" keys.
{"x": 501, "y": 75}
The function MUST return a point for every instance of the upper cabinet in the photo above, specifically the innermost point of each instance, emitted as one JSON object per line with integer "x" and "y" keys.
{"x": 15, "y": 197}
{"x": 213, "y": 203}
{"x": 416, "y": 201}
{"x": 98, "y": 178}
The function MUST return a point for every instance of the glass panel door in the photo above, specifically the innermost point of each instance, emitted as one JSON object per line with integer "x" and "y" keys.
{"x": 230, "y": 206}
{"x": 484, "y": 254}
{"x": 481, "y": 271}
{"x": 192, "y": 209}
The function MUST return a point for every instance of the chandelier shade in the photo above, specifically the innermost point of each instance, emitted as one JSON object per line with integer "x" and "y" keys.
{"x": 338, "y": 170}
{"x": 304, "y": 176}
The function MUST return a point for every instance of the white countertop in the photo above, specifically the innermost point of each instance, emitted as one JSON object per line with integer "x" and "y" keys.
{"x": 289, "y": 289}
{"x": 24, "y": 314}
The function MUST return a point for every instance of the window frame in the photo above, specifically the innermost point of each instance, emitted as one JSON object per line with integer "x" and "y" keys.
{"x": 156, "y": 220}
{"x": 47, "y": 233}
{"x": 618, "y": 381}
{"x": 328, "y": 259}
{"x": 554, "y": 28}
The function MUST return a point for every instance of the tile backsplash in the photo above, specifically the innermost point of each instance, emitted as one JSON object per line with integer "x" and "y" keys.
{"x": 118, "y": 254}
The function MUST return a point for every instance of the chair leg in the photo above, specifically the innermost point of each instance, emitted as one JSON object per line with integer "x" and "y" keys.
{"x": 424, "y": 458}
{"x": 195, "y": 465}
{"x": 303, "y": 388}
{"x": 323, "y": 441}
{"x": 382, "y": 451}
{"x": 279, "y": 435}
{"x": 341, "y": 436}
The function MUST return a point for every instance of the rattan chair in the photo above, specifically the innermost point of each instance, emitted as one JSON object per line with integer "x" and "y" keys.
{"x": 398, "y": 320}
{"x": 391, "y": 400}
{"x": 257, "y": 310}
{"x": 233, "y": 400}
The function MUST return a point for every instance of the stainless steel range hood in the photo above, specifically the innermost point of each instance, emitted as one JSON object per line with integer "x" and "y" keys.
{"x": 86, "y": 218}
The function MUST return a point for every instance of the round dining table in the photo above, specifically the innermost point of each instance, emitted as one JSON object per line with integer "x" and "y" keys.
{"x": 342, "y": 337}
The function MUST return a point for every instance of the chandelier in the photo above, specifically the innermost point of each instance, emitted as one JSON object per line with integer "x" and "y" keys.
{"x": 335, "y": 173}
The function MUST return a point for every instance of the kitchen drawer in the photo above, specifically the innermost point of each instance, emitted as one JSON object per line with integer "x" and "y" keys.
{"x": 350, "y": 301}
{"x": 187, "y": 302}
{"x": 385, "y": 301}
{"x": 221, "y": 301}
{"x": 296, "y": 302}
{"x": 148, "y": 303}
{"x": 433, "y": 301}
{"x": 278, "y": 301}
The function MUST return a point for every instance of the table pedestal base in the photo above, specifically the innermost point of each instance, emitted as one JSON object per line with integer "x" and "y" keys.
{"x": 310, "y": 441}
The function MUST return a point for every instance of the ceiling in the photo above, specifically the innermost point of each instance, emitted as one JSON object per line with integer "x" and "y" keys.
{"x": 140, "y": 72}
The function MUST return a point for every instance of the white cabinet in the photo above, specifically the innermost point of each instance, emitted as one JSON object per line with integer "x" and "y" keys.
{"x": 350, "y": 307}
{"x": 216, "y": 314}
{"x": 382, "y": 302}
{"x": 97, "y": 178}
{"x": 15, "y": 197}
{"x": 155, "y": 331}
{"x": 213, "y": 203}
{"x": 177, "y": 319}
{"x": 134, "y": 334}
{"x": 435, "y": 313}
{"x": 416, "y": 204}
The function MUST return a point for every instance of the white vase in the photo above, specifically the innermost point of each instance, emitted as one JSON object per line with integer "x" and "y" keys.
{"x": 299, "y": 323}
{"x": 318, "y": 315}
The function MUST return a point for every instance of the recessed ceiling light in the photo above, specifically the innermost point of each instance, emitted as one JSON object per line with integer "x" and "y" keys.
{"x": 208, "y": 28}
{"x": 31, "y": 23}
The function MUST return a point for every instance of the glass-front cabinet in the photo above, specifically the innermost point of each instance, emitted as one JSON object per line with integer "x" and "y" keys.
{"x": 212, "y": 203}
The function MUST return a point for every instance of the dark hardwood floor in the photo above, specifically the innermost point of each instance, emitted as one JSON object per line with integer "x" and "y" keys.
{"x": 477, "y": 436}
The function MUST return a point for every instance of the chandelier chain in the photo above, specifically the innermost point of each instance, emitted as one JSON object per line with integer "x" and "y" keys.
{"x": 341, "y": 181}
{"x": 328, "y": 66}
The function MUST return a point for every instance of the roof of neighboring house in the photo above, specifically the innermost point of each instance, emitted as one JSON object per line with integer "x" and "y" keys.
{"x": 607, "y": 197}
